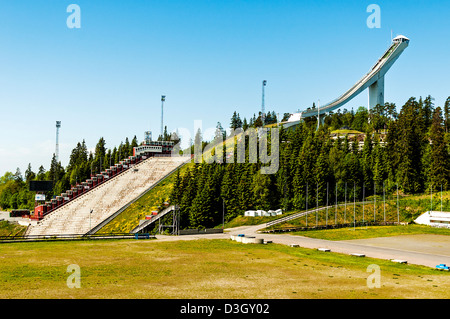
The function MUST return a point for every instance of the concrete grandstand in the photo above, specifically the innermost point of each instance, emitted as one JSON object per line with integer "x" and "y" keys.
{"x": 83, "y": 213}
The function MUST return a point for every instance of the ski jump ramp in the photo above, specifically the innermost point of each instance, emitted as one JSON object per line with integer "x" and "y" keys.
{"x": 373, "y": 80}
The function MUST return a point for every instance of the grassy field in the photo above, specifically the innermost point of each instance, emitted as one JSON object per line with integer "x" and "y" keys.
{"x": 204, "y": 269}
{"x": 10, "y": 229}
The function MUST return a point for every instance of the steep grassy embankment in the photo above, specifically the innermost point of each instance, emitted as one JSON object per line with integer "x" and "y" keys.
{"x": 151, "y": 201}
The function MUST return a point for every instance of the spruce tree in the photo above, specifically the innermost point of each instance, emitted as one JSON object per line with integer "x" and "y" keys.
{"x": 409, "y": 147}
{"x": 322, "y": 174}
{"x": 229, "y": 191}
{"x": 261, "y": 191}
{"x": 367, "y": 163}
{"x": 439, "y": 173}
{"x": 447, "y": 115}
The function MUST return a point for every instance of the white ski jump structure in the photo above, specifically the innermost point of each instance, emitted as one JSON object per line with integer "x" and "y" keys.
{"x": 374, "y": 80}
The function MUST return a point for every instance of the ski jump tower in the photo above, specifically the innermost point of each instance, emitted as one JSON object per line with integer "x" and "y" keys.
{"x": 373, "y": 80}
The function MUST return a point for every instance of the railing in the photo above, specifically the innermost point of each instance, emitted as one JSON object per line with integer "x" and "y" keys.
{"x": 333, "y": 226}
{"x": 301, "y": 214}
{"x": 104, "y": 181}
{"x": 148, "y": 222}
{"x": 63, "y": 237}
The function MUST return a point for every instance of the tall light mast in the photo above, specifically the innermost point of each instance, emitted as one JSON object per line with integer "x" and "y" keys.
{"x": 163, "y": 98}
{"x": 263, "y": 112}
{"x": 58, "y": 125}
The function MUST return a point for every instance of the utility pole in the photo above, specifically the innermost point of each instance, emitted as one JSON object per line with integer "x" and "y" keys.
{"x": 306, "y": 205}
{"x": 317, "y": 204}
{"x": 374, "y": 200}
{"x": 90, "y": 213}
{"x": 345, "y": 204}
{"x": 326, "y": 219}
{"x": 335, "y": 211}
{"x": 431, "y": 194}
{"x": 354, "y": 205}
{"x": 384, "y": 203}
{"x": 398, "y": 213}
{"x": 363, "y": 200}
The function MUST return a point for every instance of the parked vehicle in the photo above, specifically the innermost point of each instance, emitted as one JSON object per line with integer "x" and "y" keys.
{"x": 442, "y": 267}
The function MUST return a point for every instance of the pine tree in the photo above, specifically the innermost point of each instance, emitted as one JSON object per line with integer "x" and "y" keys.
{"x": 134, "y": 143}
{"x": 189, "y": 191}
{"x": 235, "y": 121}
{"x": 447, "y": 115}
{"x": 379, "y": 165}
{"x": 427, "y": 111}
{"x": 18, "y": 176}
{"x": 409, "y": 147}
{"x": 127, "y": 148}
{"x": 439, "y": 173}
{"x": 245, "y": 125}
{"x": 53, "y": 173}
{"x": 244, "y": 191}
{"x": 284, "y": 174}
{"x": 367, "y": 163}
{"x": 307, "y": 159}
{"x": 229, "y": 191}
{"x": 261, "y": 191}
{"x": 298, "y": 186}
{"x": 41, "y": 174}
{"x": 177, "y": 190}
{"x": 29, "y": 174}
{"x": 204, "y": 209}
{"x": 336, "y": 159}
{"x": 322, "y": 177}
{"x": 100, "y": 149}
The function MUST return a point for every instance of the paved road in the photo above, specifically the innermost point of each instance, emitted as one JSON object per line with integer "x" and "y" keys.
{"x": 419, "y": 256}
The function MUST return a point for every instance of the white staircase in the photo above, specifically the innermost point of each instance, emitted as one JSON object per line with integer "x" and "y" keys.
{"x": 104, "y": 200}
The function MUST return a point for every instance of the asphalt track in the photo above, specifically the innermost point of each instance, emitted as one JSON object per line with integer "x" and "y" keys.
{"x": 426, "y": 250}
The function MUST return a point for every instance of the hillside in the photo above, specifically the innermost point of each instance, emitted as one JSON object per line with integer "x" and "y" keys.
{"x": 153, "y": 200}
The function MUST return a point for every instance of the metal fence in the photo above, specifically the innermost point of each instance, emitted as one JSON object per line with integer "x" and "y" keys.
{"x": 200, "y": 231}
{"x": 332, "y": 226}
{"x": 69, "y": 237}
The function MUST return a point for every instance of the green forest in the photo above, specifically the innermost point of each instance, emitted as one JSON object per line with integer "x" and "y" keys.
{"x": 406, "y": 147}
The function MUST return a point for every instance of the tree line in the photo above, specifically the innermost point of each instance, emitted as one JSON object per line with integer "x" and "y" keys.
{"x": 14, "y": 187}
{"x": 408, "y": 149}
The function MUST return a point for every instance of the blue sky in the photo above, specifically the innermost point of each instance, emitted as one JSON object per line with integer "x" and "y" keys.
{"x": 209, "y": 58}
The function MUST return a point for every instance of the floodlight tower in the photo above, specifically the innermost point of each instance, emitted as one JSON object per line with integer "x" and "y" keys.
{"x": 263, "y": 116}
{"x": 58, "y": 125}
{"x": 163, "y": 98}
